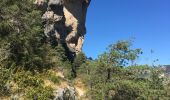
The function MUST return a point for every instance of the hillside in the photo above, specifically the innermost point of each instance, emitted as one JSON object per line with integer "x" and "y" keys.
{"x": 41, "y": 57}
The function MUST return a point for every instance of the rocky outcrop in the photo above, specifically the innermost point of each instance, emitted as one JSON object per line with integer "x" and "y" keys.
{"x": 64, "y": 21}
{"x": 65, "y": 94}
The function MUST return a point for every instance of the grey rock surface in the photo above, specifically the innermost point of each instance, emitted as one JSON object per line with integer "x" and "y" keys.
{"x": 65, "y": 21}
{"x": 65, "y": 94}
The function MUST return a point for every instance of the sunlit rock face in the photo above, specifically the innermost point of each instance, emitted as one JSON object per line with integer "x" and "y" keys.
{"x": 65, "y": 21}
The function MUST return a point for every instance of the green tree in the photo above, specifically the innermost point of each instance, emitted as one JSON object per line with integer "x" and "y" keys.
{"x": 78, "y": 61}
{"x": 119, "y": 55}
{"x": 21, "y": 34}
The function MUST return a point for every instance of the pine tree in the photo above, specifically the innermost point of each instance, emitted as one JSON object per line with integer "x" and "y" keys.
{"x": 21, "y": 34}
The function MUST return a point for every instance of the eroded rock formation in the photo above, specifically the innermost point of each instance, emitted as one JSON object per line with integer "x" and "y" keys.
{"x": 64, "y": 21}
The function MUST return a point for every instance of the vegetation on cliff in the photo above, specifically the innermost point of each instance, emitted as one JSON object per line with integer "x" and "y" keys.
{"x": 25, "y": 57}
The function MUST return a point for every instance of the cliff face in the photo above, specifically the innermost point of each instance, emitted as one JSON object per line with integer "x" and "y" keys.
{"x": 64, "y": 21}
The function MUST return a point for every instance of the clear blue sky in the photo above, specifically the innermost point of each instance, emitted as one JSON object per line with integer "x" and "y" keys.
{"x": 147, "y": 20}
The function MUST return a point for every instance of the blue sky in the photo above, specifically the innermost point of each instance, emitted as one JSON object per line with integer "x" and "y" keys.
{"x": 147, "y": 20}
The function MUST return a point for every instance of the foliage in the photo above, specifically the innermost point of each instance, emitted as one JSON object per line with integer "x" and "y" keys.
{"x": 109, "y": 79}
{"x": 120, "y": 54}
{"x": 156, "y": 81}
{"x": 27, "y": 79}
{"x": 4, "y": 79}
{"x": 40, "y": 93}
{"x": 78, "y": 61}
{"x": 21, "y": 34}
{"x": 26, "y": 58}
{"x": 124, "y": 84}
{"x": 52, "y": 77}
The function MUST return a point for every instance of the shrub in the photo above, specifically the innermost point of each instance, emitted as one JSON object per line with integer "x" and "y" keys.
{"x": 27, "y": 79}
{"x": 39, "y": 93}
{"x": 52, "y": 77}
{"x": 4, "y": 79}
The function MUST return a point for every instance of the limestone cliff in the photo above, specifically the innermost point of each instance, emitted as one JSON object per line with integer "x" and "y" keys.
{"x": 64, "y": 21}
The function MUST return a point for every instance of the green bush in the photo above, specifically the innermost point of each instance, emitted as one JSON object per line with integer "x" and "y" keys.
{"x": 52, "y": 77}
{"x": 78, "y": 61}
{"x": 5, "y": 75}
{"x": 27, "y": 79}
{"x": 39, "y": 93}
